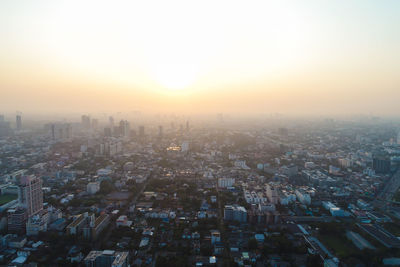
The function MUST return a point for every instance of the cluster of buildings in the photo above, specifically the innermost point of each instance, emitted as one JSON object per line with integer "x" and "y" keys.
{"x": 257, "y": 197}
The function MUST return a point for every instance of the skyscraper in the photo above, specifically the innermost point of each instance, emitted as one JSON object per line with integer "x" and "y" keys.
{"x": 19, "y": 122}
{"x": 124, "y": 128}
{"x": 30, "y": 194}
{"x": 141, "y": 131}
{"x": 160, "y": 131}
{"x": 381, "y": 164}
{"x": 5, "y": 128}
{"x": 398, "y": 138}
{"x": 86, "y": 122}
{"x": 95, "y": 124}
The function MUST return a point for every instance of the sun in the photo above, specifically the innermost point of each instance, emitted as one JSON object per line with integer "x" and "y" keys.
{"x": 174, "y": 76}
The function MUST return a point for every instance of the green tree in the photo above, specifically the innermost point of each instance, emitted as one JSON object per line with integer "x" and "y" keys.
{"x": 106, "y": 187}
{"x": 253, "y": 244}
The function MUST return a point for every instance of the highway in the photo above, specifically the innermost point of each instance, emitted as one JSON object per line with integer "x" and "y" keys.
{"x": 389, "y": 190}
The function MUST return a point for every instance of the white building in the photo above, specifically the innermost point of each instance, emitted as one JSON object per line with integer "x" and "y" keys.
{"x": 123, "y": 221}
{"x": 226, "y": 182}
{"x": 303, "y": 197}
{"x": 241, "y": 164}
{"x": 398, "y": 138}
{"x": 93, "y": 187}
{"x": 185, "y": 146}
{"x": 37, "y": 223}
{"x": 345, "y": 162}
{"x": 334, "y": 170}
{"x": 272, "y": 194}
{"x": 235, "y": 213}
{"x": 285, "y": 198}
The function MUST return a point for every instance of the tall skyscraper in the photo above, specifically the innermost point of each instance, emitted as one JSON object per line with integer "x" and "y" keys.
{"x": 30, "y": 194}
{"x": 381, "y": 165}
{"x": 398, "y": 138}
{"x": 107, "y": 132}
{"x": 85, "y": 122}
{"x": 5, "y": 128}
{"x": 19, "y": 122}
{"x": 124, "y": 128}
{"x": 160, "y": 131}
{"x": 111, "y": 120}
{"x": 95, "y": 124}
{"x": 59, "y": 131}
{"x": 141, "y": 131}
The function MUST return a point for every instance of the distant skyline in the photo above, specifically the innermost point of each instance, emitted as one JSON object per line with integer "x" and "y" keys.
{"x": 200, "y": 57}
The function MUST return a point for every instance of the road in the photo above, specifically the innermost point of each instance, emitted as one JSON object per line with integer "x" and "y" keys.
{"x": 221, "y": 227}
{"x": 389, "y": 190}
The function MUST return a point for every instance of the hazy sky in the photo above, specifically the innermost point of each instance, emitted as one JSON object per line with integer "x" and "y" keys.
{"x": 306, "y": 57}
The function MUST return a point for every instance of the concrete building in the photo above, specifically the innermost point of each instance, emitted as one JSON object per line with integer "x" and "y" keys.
{"x": 272, "y": 194}
{"x": 107, "y": 258}
{"x": 215, "y": 236}
{"x": 16, "y": 219}
{"x": 235, "y": 213}
{"x": 76, "y": 226}
{"x": 381, "y": 165}
{"x": 88, "y": 225}
{"x": 303, "y": 197}
{"x": 335, "y": 211}
{"x": 37, "y": 223}
{"x": 30, "y": 194}
{"x": 185, "y": 146}
{"x": 59, "y": 131}
{"x": 18, "y": 122}
{"x": 225, "y": 182}
{"x": 93, "y": 187}
{"x": 290, "y": 170}
{"x": 95, "y": 226}
{"x": 345, "y": 162}
{"x": 123, "y": 221}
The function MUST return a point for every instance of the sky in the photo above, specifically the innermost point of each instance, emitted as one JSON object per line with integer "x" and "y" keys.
{"x": 181, "y": 56}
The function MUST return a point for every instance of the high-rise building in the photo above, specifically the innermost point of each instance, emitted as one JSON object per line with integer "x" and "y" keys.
{"x": 30, "y": 194}
{"x": 125, "y": 128}
{"x": 95, "y": 124}
{"x": 107, "y": 258}
{"x": 5, "y": 128}
{"x": 185, "y": 146}
{"x": 283, "y": 131}
{"x": 107, "y": 132}
{"x": 235, "y": 213}
{"x": 160, "y": 131}
{"x": 111, "y": 121}
{"x": 93, "y": 187}
{"x": 381, "y": 165}
{"x": 85, "y": 120}
{"x": 19, "y": 122}
{"x": 16, "y": 219}
{"x": 141, "y": 131}
{"x": 59, "y": 131}
{"x": 272, "y": 194}
{"x": 225, "y": 182}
